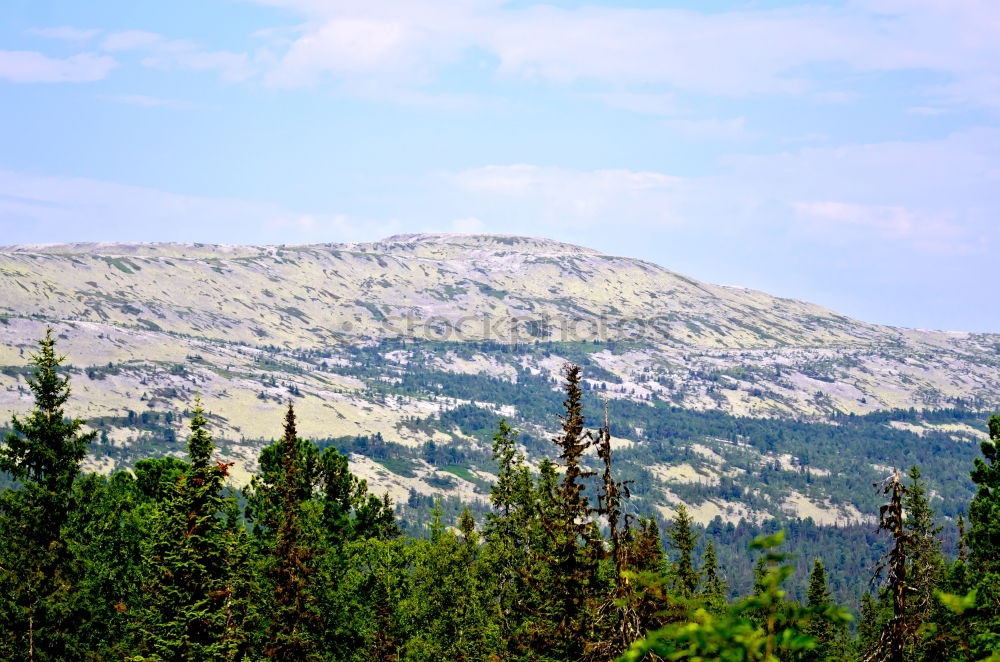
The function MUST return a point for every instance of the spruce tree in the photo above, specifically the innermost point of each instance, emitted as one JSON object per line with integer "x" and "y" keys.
{"x": 734, "y": 634}
{"x": 568, "y": 579}
{"x": 507, "y": 536}
{"x": 649, "y": 577}
{"x": 874, "y": 615}
{"x": 106, "y": 528}
{"x": 447, "y": 611}
{"x": 984, "y": 545}
{"x": 296, "y": 619}
{"x": 681, "y": 539}
{"x": 713, "y": 586}
{"x": 187, "y": 576}
{"x": 830, "y": 636}
{"x": 619, "y": 618}
{"x": 37, "y": 575}
{"x": 647, "y": 555}
{"x": 925, "y": 562}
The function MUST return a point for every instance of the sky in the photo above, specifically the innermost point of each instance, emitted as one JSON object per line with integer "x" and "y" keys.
{"x": 846, "y": 153}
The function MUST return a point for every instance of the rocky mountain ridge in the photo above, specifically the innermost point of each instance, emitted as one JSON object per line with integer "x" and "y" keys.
{"x": 389, "y": 337}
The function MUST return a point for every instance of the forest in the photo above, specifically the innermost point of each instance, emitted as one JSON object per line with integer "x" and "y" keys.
{"x": 167, "y": 562}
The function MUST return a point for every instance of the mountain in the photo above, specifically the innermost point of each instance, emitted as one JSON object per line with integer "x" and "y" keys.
{"x": 430, "y": 338}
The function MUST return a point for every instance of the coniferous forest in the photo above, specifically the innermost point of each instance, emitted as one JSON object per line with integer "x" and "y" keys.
{"x": 167, "y": 562}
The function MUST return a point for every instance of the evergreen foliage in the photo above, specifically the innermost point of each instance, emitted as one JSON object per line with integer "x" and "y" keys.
{"x": 682, "y": 539}
{"x": 713, "y": 585}
{"x": 162, "y": 563}
{"x": 186, "y": 584}
{"x": 984, "y": 544}
{"x": 830, "y": 635}
{"x": 38, "y": 575}
{"x": 925, "y": 562}
{"x": 734, "y": 634}
{"x": 295, "y": 620}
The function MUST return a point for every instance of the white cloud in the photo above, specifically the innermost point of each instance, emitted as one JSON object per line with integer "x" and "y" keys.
{"x": 64, "y": 33}
{"x": 130, "y": 40}
{"x": 930, "y": 197}
{"x": 563, "y": 197}
{"x": 934, "y": 232}
{"x": 160, "y": 52}
{"x": 33, "y": 67}
{"x": 734, "y": 53}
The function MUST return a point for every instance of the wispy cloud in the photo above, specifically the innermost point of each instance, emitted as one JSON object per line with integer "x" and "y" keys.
{"x": 561, "y": 197}
{"x": 34, "y": 67}
{"x": 709, "y": 128}
{"x": 36, "y": 206}
{"x": 64, "y": 33}
{"x": 646, "y": 103}
{"x": 145, "y": 101}
{"x": 929, "y": 197}
{"x": 158, "y": 51}
{"x": 734, "y": 53}
{"x": 930, "y": 233}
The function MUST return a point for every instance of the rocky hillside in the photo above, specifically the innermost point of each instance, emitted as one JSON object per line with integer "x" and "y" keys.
{"x": 428, "y": 286}
{"x": 389, "y": 337}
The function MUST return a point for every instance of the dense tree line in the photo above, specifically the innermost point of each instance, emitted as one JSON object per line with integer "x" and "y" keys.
{"x": 164, "y": 562}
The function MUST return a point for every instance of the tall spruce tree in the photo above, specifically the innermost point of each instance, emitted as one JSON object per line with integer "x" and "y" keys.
{"x": 830, "y": 636}
{"x": 569, "y": 581}
{"x": 37, "y": 575}
{"x": 296, "y": 621}
{"x": 681, "y": 538}
{"x": 187, "y": 576}
{"x": 925, "y": 562}
{"x": 984, "y": 545}
{"x": 619, "y": 618}
{"x": 507, "y": 537}
{"x": 713, "y": 586}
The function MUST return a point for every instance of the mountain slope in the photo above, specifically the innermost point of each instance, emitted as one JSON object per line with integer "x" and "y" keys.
{"x": 427, "y": 285}
{"x": 394, "y": 337}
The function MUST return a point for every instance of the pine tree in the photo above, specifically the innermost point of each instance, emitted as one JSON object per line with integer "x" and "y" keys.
{"x": 984, "y": 545}
{"x": 187, "y": 576}
{"x": 37, "y": 574}
{"x": 682, "y": 540}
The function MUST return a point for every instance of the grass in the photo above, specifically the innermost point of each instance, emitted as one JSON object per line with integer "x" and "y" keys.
{"x": 398, "y": 466}
{"x": 460, "y": 471}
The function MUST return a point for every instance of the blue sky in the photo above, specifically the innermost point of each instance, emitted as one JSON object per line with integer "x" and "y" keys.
{"x": 847, "y": 153}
